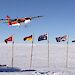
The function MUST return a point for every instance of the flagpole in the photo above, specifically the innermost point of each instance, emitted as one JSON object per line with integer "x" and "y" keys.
{"x": 48, "y": 50}
{"x": 12, "y": 52}
{"x": 31, "y": 52}
{"x": 67, "y": 52}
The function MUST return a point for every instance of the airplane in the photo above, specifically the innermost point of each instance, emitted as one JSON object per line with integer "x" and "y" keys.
{"x": 18, "y": 21}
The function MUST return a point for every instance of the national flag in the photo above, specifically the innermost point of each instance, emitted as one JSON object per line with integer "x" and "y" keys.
{"x": 9, "y": 39}
{"x": 29, "y": 38}
{"x": 62, "y": 38}
{"x": 42, "y": 37}
{"x": 73, "y": 41}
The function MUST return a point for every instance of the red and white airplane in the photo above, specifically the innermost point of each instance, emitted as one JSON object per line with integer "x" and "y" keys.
{"x": 18, "y": 21}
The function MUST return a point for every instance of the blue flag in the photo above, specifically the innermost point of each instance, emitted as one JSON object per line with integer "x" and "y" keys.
{"x": 42, "y": 37}
{"x": 73, "y": 41}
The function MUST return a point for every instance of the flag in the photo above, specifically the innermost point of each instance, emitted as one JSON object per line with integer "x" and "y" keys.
{"x": 29, "y": 38}
{"x": 42, "y": 37}
{"x": 73, "y": 41}
{"x": 9, "y": 39}
{"x": 62, "y": 38}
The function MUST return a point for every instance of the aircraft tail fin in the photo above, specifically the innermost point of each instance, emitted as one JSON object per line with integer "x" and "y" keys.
{"x": 7, "y": 17}
{"x": 9, "y": 21}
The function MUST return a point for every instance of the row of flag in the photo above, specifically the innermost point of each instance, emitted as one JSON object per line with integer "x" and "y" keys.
{"x": 28, "y": 38}
{"x": 40, "y": 38}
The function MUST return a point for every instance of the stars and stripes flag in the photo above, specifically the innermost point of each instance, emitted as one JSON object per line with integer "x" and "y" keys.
{"x": 61, "y": 38}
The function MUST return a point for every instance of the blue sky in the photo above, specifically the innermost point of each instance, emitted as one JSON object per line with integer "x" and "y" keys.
{"x": 58, "y": 20}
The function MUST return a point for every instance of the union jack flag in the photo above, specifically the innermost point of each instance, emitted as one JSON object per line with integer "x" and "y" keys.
{"x": 62, "y": 38}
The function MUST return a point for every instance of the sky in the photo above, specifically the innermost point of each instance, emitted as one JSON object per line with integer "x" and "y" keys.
{"x": 58, "y": 19}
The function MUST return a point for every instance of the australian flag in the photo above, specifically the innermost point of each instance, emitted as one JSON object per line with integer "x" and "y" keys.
{"x": 62, "y": 38}
{"x": 42, "y": 37}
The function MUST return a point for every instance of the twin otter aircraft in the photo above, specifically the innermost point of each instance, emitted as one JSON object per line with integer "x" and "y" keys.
{"x": 18, "y": 21}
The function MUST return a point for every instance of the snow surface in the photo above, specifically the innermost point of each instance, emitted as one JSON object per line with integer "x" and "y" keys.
{"x": 22, "y": 56}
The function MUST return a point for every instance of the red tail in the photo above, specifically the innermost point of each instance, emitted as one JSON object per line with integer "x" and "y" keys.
{"x": 8, "y": 18}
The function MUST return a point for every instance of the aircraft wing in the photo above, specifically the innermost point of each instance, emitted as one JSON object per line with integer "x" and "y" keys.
{"x": 4, "y": 20}
{"x": 36, "y": 17}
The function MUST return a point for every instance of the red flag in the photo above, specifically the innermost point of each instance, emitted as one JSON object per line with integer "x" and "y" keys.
{"x": 9, "y": 39}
